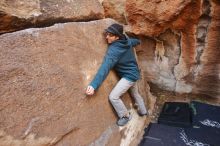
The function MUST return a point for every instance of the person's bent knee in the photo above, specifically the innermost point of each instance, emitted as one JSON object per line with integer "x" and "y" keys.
{"x": 112, "y": 97}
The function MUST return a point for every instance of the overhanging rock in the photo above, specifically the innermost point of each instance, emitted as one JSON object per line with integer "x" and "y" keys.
{"x": 17, "y": 15}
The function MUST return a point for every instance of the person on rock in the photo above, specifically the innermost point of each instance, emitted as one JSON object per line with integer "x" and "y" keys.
{"x": 121, "y": 58}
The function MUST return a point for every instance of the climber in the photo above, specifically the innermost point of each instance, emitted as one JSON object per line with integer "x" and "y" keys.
{"x": 121, "y": 58}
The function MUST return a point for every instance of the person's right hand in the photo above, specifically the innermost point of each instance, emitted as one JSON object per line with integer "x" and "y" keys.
{"x": 90, "y": 90}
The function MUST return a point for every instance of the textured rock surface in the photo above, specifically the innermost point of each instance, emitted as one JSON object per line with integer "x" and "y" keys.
{"x": 15, "y": 15}
{"x": 44, "y": 72}
{"x": 207, "y": 75}
{"x": 181, "y": 53}
{"x": 43, "y": 75}
{"x": 153, "y": 17}
{"x": 150, "y": 18}
{"x": 158, "y": 59}
{"x": 115, "y": 9}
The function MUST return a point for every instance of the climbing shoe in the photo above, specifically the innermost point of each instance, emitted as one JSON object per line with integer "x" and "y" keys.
{"x": 144, "y": 114}
{"x": 124, "y": 120}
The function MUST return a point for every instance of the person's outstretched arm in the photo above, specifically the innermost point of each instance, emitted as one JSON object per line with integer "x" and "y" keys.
{"x": 111, "y": 58}
{"x": 134, "y": 42}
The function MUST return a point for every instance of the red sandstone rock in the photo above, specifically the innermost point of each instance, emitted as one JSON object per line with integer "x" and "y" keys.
{"x": 150, "y": 18}
{"x": 115, "y": 9}
{"x": 43, "y": 76}
{"x": 188, "y": 60}
{"x": 16, "y": 15}
{"x": 207, "y": 79}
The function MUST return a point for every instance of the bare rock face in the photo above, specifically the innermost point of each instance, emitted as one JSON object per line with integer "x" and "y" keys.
{"x": 158, "y": 59}
{"x": 155, "y": 16}
{"x": 43, "y": 76}
{"x": 16, "y": 15}
{"x": 115, "y": 9}
{"x": 181, "y": 54}
{"x": 207, "y": 73}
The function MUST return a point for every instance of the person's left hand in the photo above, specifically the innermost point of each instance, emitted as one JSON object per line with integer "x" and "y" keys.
{"x": 90, "y": 90}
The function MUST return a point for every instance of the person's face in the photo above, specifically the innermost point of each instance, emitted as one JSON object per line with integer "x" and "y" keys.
{"x": 110, "y": 37}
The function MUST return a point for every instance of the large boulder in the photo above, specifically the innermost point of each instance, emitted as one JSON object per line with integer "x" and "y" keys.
{"x": 16, "y": 15}
{"x": 181, "y": 54}
{"x": 207, "y": 72}
{"x": 43, "y": 76}
{"x": 115, "y": 9}
{"x": 153, "y": 17}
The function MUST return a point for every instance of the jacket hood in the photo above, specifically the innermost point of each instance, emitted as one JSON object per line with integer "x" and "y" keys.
{"x": 122, "y": 43}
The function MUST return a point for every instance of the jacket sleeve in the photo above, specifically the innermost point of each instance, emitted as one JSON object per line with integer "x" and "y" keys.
{"x": 134, "y": 42}
{"x": 108, "y": 63}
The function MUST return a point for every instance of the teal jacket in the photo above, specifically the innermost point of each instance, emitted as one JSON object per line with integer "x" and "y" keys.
{"x": 121, "y": 58}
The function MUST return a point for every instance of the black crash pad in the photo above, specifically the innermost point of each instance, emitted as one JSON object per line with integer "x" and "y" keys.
{"x": 163, "y": 135}
{"x": 176, "y": 114}
{"x": 205, "y": 115}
